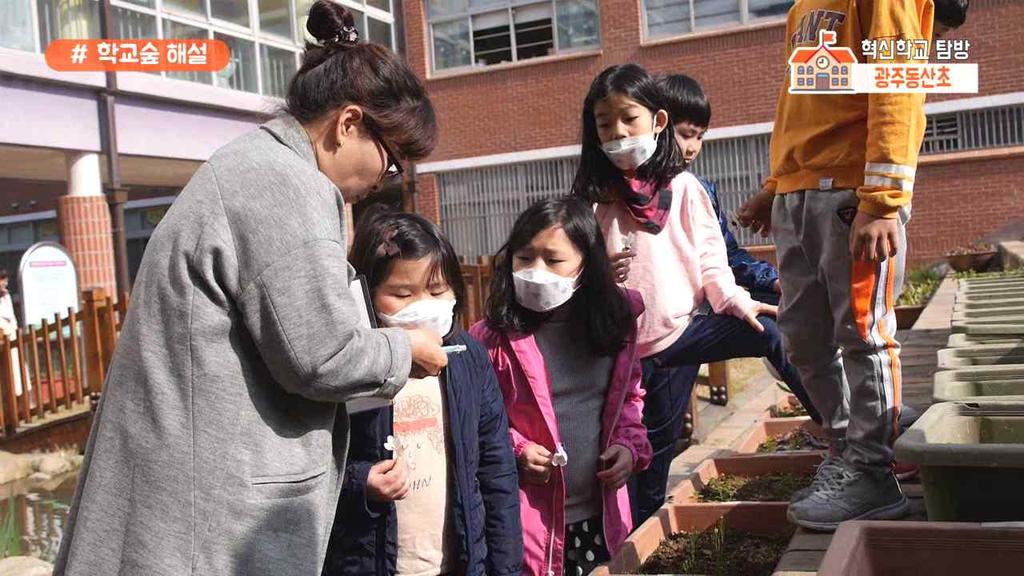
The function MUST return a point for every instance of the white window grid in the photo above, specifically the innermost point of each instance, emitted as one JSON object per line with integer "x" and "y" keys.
{"x": 252, "y": 33}
{"x": 491, "y": 9}
{"x": 745, "y": 18}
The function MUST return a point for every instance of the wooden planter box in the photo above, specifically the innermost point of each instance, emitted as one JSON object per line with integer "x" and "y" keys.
{"x": 770, "y": 427}
{"x": 978, "y": 261}
{"x": 763, "y": 519}
{"x": 906, "y": 316}
{"x": 803, "y": 463}
{"x": 882, "y": 548}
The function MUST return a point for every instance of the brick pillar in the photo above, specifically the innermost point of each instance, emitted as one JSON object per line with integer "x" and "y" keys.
{"x": 84, "y": 221}
{"x": 428, "y": 200}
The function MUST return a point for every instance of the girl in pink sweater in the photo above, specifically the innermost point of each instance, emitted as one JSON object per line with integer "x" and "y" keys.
{"x": 659, "y": 224}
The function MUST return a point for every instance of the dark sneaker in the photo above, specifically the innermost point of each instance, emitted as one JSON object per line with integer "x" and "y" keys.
{"x": 825, "y": 470}
{"x": 848, "y": 493}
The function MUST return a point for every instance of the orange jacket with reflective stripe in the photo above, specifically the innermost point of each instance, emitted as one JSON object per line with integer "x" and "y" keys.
{"x": 869, "y": 142}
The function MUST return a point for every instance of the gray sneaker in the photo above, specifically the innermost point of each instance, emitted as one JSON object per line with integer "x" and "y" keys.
{"x": 850, "y": 494}
{"x": 825, "y": 471}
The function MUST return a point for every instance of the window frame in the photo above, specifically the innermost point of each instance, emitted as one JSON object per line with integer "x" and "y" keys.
{"x": 743, "y": 6}
{"x": 510, "y": 6}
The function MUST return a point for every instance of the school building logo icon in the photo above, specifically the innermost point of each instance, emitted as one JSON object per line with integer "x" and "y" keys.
{"x": 825, "y": 68}
{"x": 887, "y": 65}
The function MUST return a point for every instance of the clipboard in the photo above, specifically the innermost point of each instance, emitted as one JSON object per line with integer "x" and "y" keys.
{"x": 367, "y": 319}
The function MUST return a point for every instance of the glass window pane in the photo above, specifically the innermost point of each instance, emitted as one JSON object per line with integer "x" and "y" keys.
{"x": 714, "y": 13}
{"x": 173, "y": 31}
{"x": 22, "y": 234}
{"x": 278, "y": 68}
{"x": 768, "y": 8}
{"x": 667, "y": 17}
{"x": 578, "y": 24}
{"x": 492, "y": 38}
{"x": 451, "y": 44}
{"x": 534, "y": 33}
{"x": 132, "y": 24}
{"x": 16, "y": 25}
{"x": 146, "y": 3}
{"x": 234, "y": 11}
{"x": 240, "y": 73}
{"x": 446, "y": 7}
{"x": 68, "y": 19}
{"x": 301, "y": 17}
{"x": 379, "y": 32}
{"x": 381, "y": 4}
{"x": 360, "y": 26}
{"x": 274, "y": 17}
{"x": 195, "y": 6}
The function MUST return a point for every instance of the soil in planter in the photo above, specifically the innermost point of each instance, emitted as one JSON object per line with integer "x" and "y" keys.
{"x": 792, "y": 411}
{"x": 792, "y": 441}
{"x": 769, "y": 488}
{"x": 717, "y": 552}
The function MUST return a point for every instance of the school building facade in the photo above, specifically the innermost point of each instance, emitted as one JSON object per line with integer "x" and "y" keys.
{"x": 508, "y": 78}
{"x": 53, "y": 169}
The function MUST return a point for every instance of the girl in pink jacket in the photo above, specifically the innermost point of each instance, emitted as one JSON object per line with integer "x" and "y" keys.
{"x": 562, "y": 338}
{"x": 668, "y": 246}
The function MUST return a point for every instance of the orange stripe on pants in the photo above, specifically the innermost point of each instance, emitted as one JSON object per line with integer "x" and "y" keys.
{"x": 862, "y": 294}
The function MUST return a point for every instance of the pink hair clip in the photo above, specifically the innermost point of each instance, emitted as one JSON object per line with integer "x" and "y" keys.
{"x": 387, "y": 244}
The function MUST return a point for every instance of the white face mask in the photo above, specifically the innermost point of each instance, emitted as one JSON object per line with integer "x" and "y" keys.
{"x": 631, "y": 152}
{"x": 542, "y": 291}
{"x": 430, "y": 313}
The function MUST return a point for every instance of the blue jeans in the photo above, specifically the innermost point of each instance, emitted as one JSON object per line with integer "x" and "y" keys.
{"x": 668, "y": 381}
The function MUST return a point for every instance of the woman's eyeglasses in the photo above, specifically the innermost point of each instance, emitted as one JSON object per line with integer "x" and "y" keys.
{"x": 394, "y": 168}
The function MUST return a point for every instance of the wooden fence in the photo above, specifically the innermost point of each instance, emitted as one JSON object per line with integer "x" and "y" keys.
{"x": 53, "y": 367}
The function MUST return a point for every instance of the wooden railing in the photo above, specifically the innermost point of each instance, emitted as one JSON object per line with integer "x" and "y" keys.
{"x": 477, "y": 277}
{"x": 54, "y": 366}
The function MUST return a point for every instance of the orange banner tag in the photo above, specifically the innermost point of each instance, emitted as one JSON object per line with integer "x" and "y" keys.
{"x": 146, "y": 55}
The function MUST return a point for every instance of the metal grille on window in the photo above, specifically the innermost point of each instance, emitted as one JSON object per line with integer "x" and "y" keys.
{"x": 737, "y": 167}
{"x": 974, "y": 129}
{"x": 479, "y": 206}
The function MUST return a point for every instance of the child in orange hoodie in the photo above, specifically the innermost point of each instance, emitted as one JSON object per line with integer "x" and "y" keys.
{"x": 838, "y": 201}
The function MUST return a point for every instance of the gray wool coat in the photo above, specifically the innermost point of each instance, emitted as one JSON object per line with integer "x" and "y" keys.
{"x": 219, "y": 443}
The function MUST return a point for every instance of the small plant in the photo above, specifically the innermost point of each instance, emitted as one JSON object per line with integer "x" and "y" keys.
{"x": 792, "y": 441}
{"x": 971, "y": 274}
{"x": 793, "y": 411}
{"x": 769, "y": 488}
{"x": 919, "y": 287}
{"x": 717, "y": 552}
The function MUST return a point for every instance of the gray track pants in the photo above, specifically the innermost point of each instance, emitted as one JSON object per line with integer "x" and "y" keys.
{"x": 838, "y": 322}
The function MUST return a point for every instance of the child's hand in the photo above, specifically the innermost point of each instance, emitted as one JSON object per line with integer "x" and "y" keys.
{"x": 620, "y": 264}
{"x": 756, "y": 213}
{"x": 756, "y": 310}
{"x": 535, "y": 464}
{"x": 427, "y": 357}
{"x": 388, "y": 481}
{"x": 873, "y": 238}
{"x": 617, "y": 466}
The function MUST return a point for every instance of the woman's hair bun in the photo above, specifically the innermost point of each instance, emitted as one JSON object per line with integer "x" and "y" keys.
{"x": 332, "y": 23}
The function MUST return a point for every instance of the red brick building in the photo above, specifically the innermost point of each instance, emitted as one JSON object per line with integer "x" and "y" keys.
{"x": 510, "y": 122}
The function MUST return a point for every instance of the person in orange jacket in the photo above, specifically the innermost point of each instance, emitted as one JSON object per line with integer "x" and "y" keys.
{"x": 838, "y": 200}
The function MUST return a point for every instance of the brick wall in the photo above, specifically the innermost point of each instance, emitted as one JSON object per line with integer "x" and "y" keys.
{"x": 84, "y": 223}
{"x": 534, "y": 104}
{"x": 961, "y": 201}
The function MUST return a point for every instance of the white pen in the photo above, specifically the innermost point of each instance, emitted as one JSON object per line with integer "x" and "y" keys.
{"x": 454, "y": 349}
